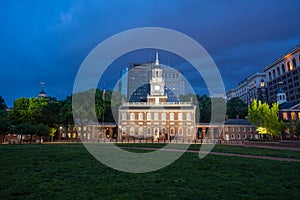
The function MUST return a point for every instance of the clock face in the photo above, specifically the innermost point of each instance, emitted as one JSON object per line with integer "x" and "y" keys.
{"x": 156, "y": 87}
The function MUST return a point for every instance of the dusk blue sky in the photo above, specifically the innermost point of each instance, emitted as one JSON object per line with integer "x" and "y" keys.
{"x": 48, "y": 40}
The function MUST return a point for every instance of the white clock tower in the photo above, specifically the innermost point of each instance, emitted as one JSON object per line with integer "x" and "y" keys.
{"x": 157, "y": 84}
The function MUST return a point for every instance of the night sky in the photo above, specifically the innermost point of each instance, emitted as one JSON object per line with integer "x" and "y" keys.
{"x": 48, "y": 40}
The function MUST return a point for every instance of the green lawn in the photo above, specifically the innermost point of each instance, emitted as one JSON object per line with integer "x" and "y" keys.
{"x": 70, "y": 172}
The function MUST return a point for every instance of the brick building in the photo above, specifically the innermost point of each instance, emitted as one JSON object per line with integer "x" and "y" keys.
{"x": 157, "y": 118}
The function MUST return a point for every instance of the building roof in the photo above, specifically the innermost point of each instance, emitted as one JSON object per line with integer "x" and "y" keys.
{"x": 286, "y": 105}
{"x": 282, "y": 57}
{"x": 237, "y": 122}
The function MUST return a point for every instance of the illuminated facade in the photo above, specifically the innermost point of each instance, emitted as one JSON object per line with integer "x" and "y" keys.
{"x": 285, "y": 72}
{"x": 157, "y": 118}
{"x": 253, "y": 87}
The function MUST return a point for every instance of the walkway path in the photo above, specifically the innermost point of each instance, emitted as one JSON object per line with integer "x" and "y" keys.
{"x": 222, "y": 154}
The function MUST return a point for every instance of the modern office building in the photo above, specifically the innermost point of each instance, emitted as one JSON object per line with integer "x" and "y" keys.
{"x": 284, "y": 72}
{"x": 253, "y": 87}
{"x": 123, "y": 82}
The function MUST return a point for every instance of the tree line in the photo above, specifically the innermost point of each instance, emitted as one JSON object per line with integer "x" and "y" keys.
{"x": 44, "y": 116}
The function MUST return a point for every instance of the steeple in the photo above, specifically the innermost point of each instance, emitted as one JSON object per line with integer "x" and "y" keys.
{"x": 156, "y": 61}
{"x": 42, "y": 93}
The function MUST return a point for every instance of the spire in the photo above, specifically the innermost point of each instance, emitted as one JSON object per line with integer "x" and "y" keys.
{"x": 42, "y": 93}
{"x": 156, "y": 61}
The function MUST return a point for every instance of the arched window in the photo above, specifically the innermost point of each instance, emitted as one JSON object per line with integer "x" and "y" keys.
{"x": 262, "y": 83}
{"x": 294, "y": 62}
{"x": 148, "y": 131}
{"x": 180, "y": 133}
{"x": 283, "y": 68}
{"x": 141, "y": 131}
{"x": 163, "y": 130}
{"x": 172, "y": 131}
{"x": 132, "y": 131}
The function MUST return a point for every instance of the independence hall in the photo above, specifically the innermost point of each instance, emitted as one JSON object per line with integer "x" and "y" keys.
{"x": 157, "y": 118}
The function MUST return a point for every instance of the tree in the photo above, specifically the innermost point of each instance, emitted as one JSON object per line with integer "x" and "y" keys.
{"x": 266, "y": 118}
{"x": 24, "y": 129}
{"x": 294, "y": 127}
{"x": 236, "y": 106}
{"x": 204, "y": 108}
{"x": 20, "y": 113}
{"x": 42, "y": 130}
{"x": 4, "y": 125}
{"x": 66, "y": 115}
{"x": 2, "y": 104}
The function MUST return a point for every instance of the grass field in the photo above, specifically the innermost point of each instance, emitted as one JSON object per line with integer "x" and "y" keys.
{"x": 70, "y": 172}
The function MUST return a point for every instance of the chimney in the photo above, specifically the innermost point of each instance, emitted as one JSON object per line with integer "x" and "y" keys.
{"x": 227, "y": 117}
{"x": 237, "y": 116}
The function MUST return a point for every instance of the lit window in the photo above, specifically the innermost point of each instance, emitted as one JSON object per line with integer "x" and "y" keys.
{"x": 289, "y": 66}
{"x": 163, "y": 116}
{"x": 132, "y": 116}
{"x": 226, "y": 129}
{"x": 180, "y": 116}
{"x": 148, "y": 116}
{"x": 141, "y": 131}
{"x": 140, "y": 116}
{"x": 262, "y": 83}
{"x": 293, "y": 115}
{"x": 132, "y": 131}
{"x": 188, "y": 116}
{"x": 284, "y": 116}
{"x": 298, "y": 115}
{"x": 180, "y": 133}
{"x": 155, "y": 116}
{"x": 171, "y": 116}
